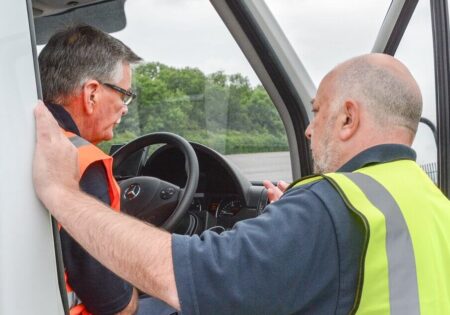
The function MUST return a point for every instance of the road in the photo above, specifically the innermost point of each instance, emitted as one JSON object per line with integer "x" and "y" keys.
{"x": 277, "y": 165}
{"x": 259, "y": 166}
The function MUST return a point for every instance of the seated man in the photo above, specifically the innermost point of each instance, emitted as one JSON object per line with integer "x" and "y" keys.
{"x": 86, "y": 80}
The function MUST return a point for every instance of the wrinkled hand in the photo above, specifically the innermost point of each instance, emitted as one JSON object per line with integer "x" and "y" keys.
{"x": 274, "y": 192}
{"x": 55, "y": 163}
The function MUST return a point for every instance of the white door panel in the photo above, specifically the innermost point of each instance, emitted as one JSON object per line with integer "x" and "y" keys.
{"x": 28, "y": 280}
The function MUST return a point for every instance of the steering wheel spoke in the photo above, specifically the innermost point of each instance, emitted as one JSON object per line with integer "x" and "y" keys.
{"x": 152, "y": 199}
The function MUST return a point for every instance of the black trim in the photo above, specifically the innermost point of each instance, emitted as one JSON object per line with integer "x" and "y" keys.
{"x": 440, "y": 24}
{"x": 55, "y": 230}
{"x": 60, "y": 266}
{"x": 78, "y": 6}
{"x": 279, "y": 77}
{"x": 33, "y": 49}
{"x": 430, "y": 124}
{"x": 400, "y": 26}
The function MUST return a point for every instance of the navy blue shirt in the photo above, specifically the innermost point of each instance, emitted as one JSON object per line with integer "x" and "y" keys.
{"x": 300, "y": 256}
{"x": 101, "y": 291}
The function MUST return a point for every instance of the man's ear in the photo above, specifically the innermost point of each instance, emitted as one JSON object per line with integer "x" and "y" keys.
{"x": 90, "y": 95}
{"x": 350, "y": 119}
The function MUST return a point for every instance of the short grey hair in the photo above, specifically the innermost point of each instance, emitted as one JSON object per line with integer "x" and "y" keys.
{"x": 392, "y": 99}
{"x": 77, "y": 54}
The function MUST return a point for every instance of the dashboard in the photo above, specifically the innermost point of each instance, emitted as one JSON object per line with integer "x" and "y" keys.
{"x": 223, "y": 196}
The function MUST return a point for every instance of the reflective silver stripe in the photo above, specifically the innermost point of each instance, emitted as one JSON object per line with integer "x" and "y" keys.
{"x": 78, "y": 141}
{"x": 72, "y": 299}
{"x": 403, "y": 288}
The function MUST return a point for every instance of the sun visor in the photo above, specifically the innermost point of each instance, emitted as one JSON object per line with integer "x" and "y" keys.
{"x": 108, "y": 16}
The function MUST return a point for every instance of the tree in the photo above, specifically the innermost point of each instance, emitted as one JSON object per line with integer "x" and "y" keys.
{"x": 221, "y": 111}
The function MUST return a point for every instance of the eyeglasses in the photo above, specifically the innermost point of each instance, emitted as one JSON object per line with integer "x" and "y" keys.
{"x": 128, "y": 96}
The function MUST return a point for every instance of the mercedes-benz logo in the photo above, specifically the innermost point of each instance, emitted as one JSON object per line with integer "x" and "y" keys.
{"x": 132, "y": 191}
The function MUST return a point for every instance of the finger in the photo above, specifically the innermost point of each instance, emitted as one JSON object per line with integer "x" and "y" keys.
{"x": 271, "y": 195}
{"x": 38, "y": 114}
{"x": 46, "y": 125}
{"x": 268, "y": 184}
{"x": 278, "y": 193}
{"x": 282, "y": 185}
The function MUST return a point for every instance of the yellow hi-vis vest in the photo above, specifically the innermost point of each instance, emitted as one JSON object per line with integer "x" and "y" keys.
{"x": 405, "y": 266}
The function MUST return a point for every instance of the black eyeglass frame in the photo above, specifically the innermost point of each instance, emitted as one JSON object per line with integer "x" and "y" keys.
{"x": 129, "y": 95}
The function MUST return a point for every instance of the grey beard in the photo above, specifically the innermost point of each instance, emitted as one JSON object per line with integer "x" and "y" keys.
{"x": 327, "y": 162}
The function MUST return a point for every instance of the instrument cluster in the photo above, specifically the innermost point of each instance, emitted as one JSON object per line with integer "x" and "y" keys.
{"x": 219, "y": 206}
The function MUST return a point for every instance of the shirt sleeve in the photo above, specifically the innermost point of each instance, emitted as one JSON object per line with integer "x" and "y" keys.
{"x": 101, "y": 291}
{"x": 283, "y": 262}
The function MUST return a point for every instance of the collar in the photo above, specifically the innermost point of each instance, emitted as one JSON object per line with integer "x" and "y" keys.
{"x": 63, "y": 117}
{"x": 379, "y": 154}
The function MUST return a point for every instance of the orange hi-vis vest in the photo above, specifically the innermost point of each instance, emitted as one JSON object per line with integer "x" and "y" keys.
{"x": 88, "y": 154}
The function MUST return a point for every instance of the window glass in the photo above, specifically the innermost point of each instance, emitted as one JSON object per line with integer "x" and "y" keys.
{"x": 196, "y": 82}
{"x": 416, "y": 51}
{"x": 327, "y": 32}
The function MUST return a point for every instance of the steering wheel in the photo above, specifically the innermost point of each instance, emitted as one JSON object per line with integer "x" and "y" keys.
{"x": 151, "y": 199}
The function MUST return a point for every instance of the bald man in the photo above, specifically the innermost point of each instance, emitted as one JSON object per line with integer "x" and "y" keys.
{"x": 369, "y": 233}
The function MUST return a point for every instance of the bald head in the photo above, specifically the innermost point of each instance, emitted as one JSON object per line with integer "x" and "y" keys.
{"x": 384, "y": 86}
{"x": 366, "y": 101}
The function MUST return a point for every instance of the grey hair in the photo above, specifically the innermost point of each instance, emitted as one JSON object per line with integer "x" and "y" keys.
{"x": 77, "y": 54}
{"x": 391, "y": 99}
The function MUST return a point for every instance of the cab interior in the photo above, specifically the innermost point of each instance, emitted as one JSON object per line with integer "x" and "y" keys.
{"x": 235, "y": 79}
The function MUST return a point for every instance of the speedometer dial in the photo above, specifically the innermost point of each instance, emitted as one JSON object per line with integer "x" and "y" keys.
{"x": 229, "y": 207}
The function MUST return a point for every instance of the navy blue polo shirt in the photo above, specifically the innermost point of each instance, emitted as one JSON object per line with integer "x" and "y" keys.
{"x": 101, "y": 291}
{"x": 299, "y": 257}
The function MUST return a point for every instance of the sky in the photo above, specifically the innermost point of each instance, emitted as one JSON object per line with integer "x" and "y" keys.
{"x": 182, "y": 33}
{"x": 323, "y": 33}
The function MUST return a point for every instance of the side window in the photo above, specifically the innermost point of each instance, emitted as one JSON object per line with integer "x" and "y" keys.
{"x": 196, "y": 82}
{"x": 327, "y": 32}
{"x": 416, "y": 50}
{"x": 343, "y": 30}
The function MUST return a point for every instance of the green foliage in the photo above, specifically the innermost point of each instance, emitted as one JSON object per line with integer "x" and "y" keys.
{"x": 221, "y": 111}
{"x": 119, "y": 138}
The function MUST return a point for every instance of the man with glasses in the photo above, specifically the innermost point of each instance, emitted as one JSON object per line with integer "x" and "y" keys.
{"x": 86, "y": 82}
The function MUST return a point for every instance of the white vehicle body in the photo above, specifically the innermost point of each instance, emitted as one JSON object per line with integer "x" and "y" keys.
{"x": 28, "y": 263}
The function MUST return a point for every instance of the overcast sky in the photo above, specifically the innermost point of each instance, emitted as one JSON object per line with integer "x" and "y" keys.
{"x": 190, "y": 33}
